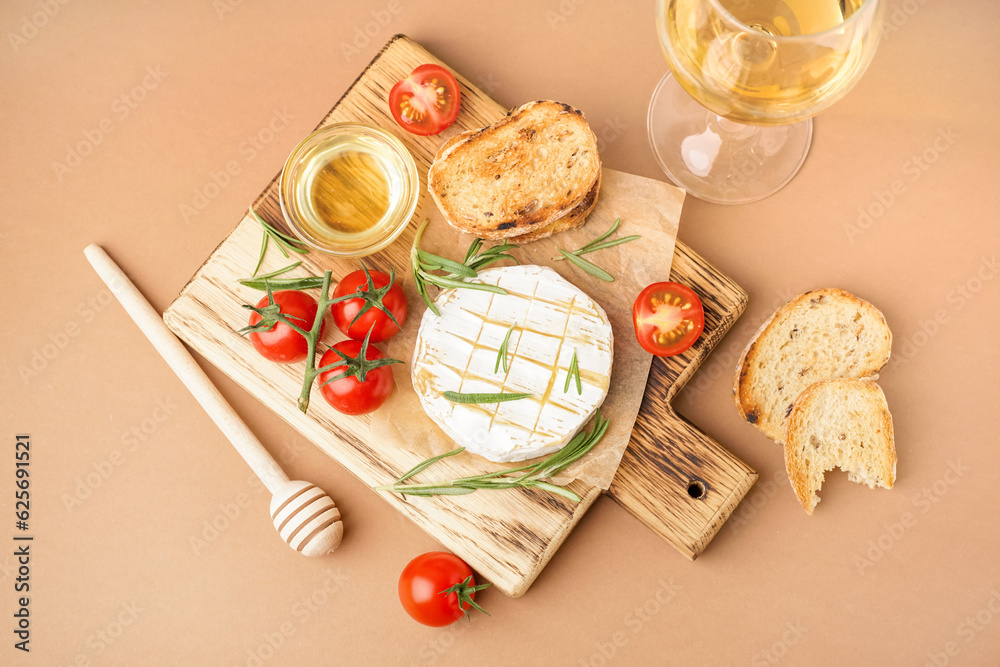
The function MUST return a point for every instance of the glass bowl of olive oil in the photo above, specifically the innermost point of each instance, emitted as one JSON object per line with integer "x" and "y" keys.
{"x": 349, "y": 189}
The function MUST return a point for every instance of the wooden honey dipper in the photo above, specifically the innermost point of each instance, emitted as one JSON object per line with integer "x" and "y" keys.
{"x": 305, "y": 517}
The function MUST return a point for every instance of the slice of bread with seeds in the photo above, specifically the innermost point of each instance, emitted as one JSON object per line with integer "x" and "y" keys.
{"x": 844, "y": 424}
{"x": 819, "y": 335}
{"x": 532, "y": 167}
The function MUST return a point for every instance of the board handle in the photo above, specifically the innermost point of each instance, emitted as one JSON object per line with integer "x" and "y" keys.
{"x": 679, "y": 482}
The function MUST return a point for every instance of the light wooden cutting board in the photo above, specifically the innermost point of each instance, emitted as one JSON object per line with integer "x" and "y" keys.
{"x": 672, "y": 477}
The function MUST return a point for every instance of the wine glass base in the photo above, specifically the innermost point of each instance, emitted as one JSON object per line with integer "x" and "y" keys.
{"x": 716, "y": 159}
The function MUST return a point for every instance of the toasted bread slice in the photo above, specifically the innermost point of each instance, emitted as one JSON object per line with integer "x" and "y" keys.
{"x": 571, "y": 220}
{"x": 819, "y": 335}
{"x": 454, "y": 140}
{"x": 844, "y": 424}
{"x": 533, "y": 166}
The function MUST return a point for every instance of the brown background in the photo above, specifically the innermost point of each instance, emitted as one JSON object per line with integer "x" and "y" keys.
{"x": 893, "y": 577}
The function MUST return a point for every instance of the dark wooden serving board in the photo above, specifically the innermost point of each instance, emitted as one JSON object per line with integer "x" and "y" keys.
{"x": 672, "y": 477}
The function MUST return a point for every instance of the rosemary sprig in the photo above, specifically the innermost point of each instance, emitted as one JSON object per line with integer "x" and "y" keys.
{"x": 532, "y": 477}
{"x": 457, "y": 397}
{"x": 574, "y": 371}
{"x": 597, "y": 244}
{"x": 476, "y": 258}
{"x": 424, "y": 465}
{"x": 262, "y": 280}
{"x": 278, "y": 272}
{"x": 502, "y": 353}
{"x": 589, "y": 267}
{"x": 261, "y": 283}
{"x": 423, "y": 263}
{"x": 283, "y": 241}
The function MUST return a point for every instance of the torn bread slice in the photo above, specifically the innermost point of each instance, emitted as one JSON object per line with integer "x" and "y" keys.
{"x": 844, "y": 424}
{"x": 819, "y": 335}
{"x": 531, "y": 167}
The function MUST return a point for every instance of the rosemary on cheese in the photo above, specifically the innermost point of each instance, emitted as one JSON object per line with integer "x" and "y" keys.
{"x": 533, "y": 475}
{"x": 573, "y": 372}
{"x": 457, "y": 397}
{"x": 502, "y": 352}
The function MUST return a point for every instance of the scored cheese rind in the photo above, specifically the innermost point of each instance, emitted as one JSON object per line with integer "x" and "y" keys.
{"x": 457, "y": 351}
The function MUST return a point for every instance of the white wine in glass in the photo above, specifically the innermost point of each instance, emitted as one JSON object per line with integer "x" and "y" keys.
{"x": 731, "y": 125}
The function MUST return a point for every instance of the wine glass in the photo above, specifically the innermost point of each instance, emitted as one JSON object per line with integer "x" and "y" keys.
{"x": 732, "y": 123}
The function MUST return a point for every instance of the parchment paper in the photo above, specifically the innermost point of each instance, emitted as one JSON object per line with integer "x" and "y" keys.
{"x": 646, "y": 207}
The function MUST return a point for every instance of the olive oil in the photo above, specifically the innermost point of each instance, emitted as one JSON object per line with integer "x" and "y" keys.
{"x": 348, "y": 189}
{"x": 350, "y": 193}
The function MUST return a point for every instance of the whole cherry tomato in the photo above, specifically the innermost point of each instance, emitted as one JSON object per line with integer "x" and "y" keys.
{"x": 438, "y": 588}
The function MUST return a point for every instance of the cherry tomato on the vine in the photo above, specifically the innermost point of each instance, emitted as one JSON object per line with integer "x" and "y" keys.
{"x": 366, "y": 387}
{"x": 280, "y": 342}
{"x": 378, "y": 308}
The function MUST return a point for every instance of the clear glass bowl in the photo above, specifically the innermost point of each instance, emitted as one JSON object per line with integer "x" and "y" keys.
{"x": 349, "y": 189}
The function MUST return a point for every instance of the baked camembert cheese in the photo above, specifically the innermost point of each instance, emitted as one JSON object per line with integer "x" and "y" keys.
{"x": 458, "y": 351}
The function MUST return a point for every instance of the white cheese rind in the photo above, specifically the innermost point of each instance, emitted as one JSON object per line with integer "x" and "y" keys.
{"x": 457, "y": 351}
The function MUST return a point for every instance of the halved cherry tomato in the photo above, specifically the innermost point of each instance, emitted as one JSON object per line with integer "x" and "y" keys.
{"x": 438, "y": 588}
{"x": 377, "y": 309}
{"x": 280, "y": 342}
{"x": 427, "y": 101}
{"x": 367, "y": 384}
{"x": 668, "y": 318}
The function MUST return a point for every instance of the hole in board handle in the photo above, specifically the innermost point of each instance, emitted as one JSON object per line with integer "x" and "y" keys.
{"x": 696, "y": 489}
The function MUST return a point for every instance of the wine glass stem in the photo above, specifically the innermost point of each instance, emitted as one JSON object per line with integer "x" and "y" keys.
{"x": 717, "y": 159}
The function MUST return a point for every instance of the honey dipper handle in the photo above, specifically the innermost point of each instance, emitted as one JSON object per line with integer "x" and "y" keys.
{"x": 186, "y": 368}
